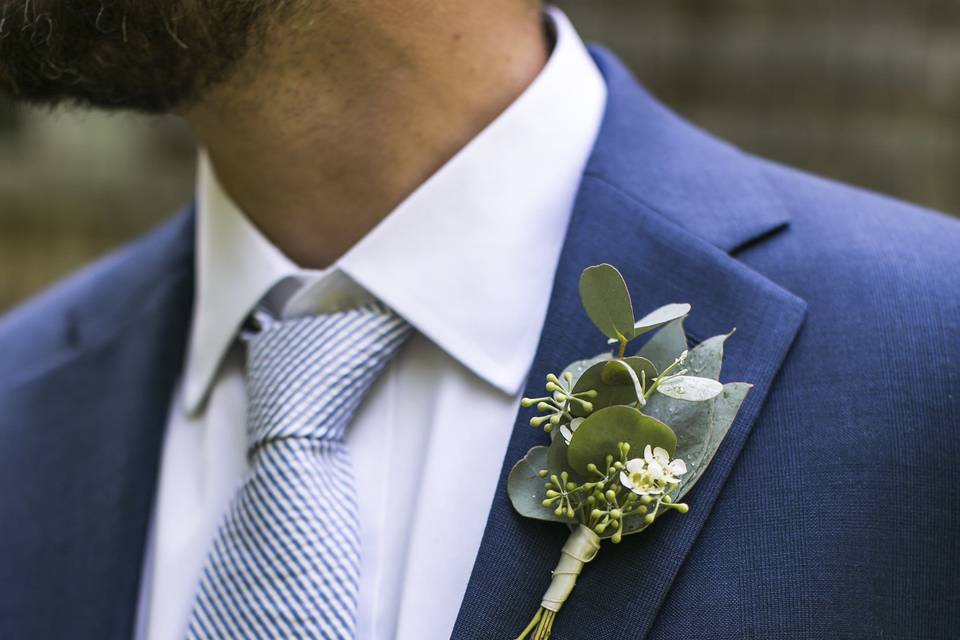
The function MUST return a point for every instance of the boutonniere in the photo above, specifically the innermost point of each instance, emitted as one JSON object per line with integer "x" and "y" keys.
{"x": 630, "y": 435}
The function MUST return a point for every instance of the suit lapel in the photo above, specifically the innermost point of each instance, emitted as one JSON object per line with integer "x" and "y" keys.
{"x": 87, "y": 458}
{"x": 658, "y": 227}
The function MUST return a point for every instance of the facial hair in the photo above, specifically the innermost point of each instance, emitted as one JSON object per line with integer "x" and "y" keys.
{"x": 152, "y": 56}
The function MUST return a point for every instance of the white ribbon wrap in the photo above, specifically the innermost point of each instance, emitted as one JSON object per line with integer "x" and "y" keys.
{"x": 580, "y": 548}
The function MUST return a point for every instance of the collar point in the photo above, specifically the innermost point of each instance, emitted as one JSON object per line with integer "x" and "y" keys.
{"x": 194, "y": 399}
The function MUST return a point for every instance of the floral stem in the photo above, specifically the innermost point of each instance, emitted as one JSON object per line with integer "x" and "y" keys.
{"x": 533, "y": 623}
{"x": 581, "y": 547}
{"x": 546, "y": 625}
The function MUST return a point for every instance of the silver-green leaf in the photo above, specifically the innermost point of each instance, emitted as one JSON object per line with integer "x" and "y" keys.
{"x": 666, "y": 345}
{"x": 706, "y": 358}
{"x": 607, "y": 301}
{"x": 659, "y": 317}
{"x": 526, "y": 488}
{"x": 723, "y": 411}
{"x": 690, "y": 388}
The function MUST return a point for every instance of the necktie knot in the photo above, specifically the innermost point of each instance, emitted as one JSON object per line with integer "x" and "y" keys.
{"x": 307, "y": 376}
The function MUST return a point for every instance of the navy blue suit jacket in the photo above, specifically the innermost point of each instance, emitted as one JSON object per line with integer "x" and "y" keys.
{"x": 832, "y": 509}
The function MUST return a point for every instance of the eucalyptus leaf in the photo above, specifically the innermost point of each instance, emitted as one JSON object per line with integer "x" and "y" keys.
{"x": 557, "y": 457}
{"x": 690, "y": 421}
{"x": 526, "y": 488}
{"x": 723, "y": 412}
{"x": 619, "y": 372}
{"x": 607, "y": 302}
{"x": 690, "y": 388}
{"x": 659, "y": 317}
{"x": 666, "y": 345}
{"x": 705, "y": 359}
{"x": 700, "y": 428}
{"x": 603, "y": 430}
{"x": 620, "y": 390}
{"x": 577, "y": 367}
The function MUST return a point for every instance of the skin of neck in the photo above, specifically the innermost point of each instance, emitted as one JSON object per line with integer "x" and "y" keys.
{"x": 345, "y": 109}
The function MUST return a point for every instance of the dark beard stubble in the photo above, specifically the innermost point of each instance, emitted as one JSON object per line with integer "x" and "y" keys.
{"x": 152, "y": 56}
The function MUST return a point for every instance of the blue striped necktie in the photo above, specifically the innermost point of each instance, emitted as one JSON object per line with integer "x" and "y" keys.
{"x": 285, "y": 562}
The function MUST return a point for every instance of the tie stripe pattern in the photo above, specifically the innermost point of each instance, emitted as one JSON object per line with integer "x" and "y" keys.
{"x": 285, "y": 562}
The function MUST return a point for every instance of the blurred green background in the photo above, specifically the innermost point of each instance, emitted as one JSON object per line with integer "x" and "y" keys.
{"x": 864, "y": 92}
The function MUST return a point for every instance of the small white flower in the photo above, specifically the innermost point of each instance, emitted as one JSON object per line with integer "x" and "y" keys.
{"x": 567, "y": 431}
{"x": 650, "y": 475}
{"x": 661, "y": 467}
{"x": 637, "y": 477}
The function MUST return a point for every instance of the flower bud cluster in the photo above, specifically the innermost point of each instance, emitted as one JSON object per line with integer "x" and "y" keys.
{"x": 604, "y": 500}
{"x": 557, "y": 406}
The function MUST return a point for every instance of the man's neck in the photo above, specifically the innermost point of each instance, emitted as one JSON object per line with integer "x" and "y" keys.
{"x": 342, "y": 115}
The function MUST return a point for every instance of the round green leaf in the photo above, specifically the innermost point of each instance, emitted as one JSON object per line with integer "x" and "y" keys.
{"x": 618, "y": 388}
{"x": 603, "y": 430}
{"x": 525, "y": 486}
{"x": 577, "y": 367}
{"x": 690, "y": 388}
{"x": 606, "y": 300}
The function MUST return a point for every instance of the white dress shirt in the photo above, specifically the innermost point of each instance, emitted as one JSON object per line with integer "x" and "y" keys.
{"x": 468, "y": 259}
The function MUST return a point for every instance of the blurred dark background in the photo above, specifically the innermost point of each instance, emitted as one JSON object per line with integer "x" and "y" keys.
{"x": 864, "y": 92}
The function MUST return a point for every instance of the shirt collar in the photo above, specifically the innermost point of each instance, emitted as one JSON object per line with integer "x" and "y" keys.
{"x": 468, "y": 258}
